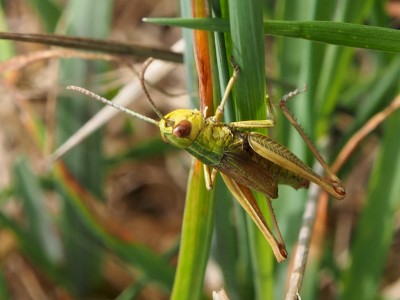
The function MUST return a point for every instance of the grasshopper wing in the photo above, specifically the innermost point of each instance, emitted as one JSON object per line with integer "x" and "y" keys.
{"x": 244, "y": 169}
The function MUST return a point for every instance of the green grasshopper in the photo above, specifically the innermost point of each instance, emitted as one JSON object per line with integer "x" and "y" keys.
{"x": 246, "y": 160}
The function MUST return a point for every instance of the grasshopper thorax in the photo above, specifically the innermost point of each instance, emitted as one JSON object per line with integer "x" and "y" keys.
{"x": 181, "y": 127}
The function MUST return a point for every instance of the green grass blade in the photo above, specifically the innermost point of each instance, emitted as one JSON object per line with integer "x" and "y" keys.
{"x": 338, "y": 33}
{"x": 199, "y": 212}
{"x": 214, "y": 24}
{"x": 246, "y": 22}
{"x": 231, "y": 249}
{"x": 39, "y": 227}
{"x": 327, "y": 32}
{"x": 198, "y": 221}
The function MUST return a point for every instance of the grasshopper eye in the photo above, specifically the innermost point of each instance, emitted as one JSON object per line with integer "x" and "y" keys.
{"x": 183, "y": 129}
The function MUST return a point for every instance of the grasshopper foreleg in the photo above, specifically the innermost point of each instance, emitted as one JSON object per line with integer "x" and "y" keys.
{"x": 209, "y": 176}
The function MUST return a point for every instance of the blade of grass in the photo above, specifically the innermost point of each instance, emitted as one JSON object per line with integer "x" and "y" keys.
{"x": 198, "y": 219}
{"x": 327, "y": 32}
{"x": 231, "y": 249}
{"x": 247, "y": 46}
{"x": 197, "y": 227}
{"x": 39, "y": 227}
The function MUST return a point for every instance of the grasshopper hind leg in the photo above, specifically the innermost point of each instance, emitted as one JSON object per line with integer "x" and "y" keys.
{"x": 274, "y": 221}
{"x": 332, "y": 180}
{"x": 246, "y": 199}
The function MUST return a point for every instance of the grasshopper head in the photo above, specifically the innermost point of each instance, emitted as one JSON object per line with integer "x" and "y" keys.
{"x": 181, "y": 127}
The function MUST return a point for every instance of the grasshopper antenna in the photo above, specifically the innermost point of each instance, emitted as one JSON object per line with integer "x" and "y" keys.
{"x": 142, "y": 81}
{"x": 108, "y": 102}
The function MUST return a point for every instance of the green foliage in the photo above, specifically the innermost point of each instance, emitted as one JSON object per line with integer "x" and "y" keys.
{"x": 323, "y": 44}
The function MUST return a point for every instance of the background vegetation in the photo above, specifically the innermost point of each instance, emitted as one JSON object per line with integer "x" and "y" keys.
{"x": 105, "y": 221}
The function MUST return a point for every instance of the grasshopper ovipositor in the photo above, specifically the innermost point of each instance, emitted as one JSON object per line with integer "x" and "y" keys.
{"x": 244, "y": 159}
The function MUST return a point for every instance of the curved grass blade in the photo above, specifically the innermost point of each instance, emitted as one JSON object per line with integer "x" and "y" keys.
{"x": 327, "y": 32}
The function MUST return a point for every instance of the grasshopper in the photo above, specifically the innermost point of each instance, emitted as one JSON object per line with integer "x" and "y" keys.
{"x": 246, "y": 160}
